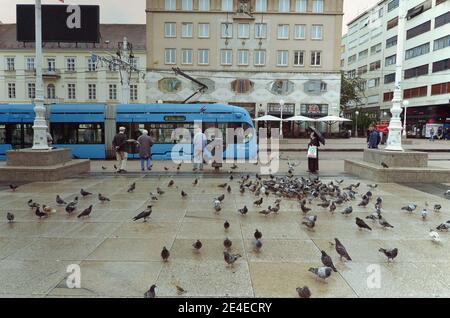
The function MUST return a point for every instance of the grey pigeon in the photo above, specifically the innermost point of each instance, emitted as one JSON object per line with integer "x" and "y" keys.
{"x": 132, "y": 187}
{"x": 10, "y": 217}
{"x": 362, "y": 225}
{"x": 257, "y": 245}
{"x": 227, "y": 243}
{"x": 332, "y": 207}
{"x": 243, "y": 211}
{"x": 59, "y": 200}
{"x": 226, "y": 225}
{"x": 257, "y": 234}
{"x": 183, "y": 194}
{"x": 258, "y": 202}
{"x": 197, "y": 245}
{"x": 321, "y": 272}
{"x": 165, "y": 254}
{"x": 443, "y": 227}
{"x": 70, "y": 208}
{"x": 144, "y": 214}
{"x": 340, "y": 249}
{"x": 230, "y": 259}
{"x": 347, "y": 211}
{"x": 86, "y": 212}
{"x": 327, "y": 261}
{"x": 13, "y": 187}
{"x": 171, "y": 183}
{"x": 384, "y": 165}
{"x": 39, "y": 213}
{"x": 304, "y": 208}
{"x": 410, "y": 207}
{"x": 102, "y": 198}
{"x": 303, "y": 292}
{"x": 383, "y": 222}
{"x": 221, "y": 197}
{"x": 84, "y": 193}
{"x": 390, "y": 253}
{"x": 437, "y": 207}
{"x": 151, "y": 292}
{"x": 310, "y": 222}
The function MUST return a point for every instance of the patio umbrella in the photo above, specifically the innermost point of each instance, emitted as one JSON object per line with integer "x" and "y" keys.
{"x": 333, "y": 119}
{"x": 318, "y": 134}
{"x": 299, "y": 118}
{"x": 267, "y": 118}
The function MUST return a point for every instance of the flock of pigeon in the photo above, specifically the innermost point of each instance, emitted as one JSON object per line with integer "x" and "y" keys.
{"x": 305, "y": 191}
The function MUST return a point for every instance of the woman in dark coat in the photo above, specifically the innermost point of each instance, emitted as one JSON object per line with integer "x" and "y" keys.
{"x": 313, "y": 163}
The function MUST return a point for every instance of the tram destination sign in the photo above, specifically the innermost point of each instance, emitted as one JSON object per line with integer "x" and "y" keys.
{"x": 60, "y": 23}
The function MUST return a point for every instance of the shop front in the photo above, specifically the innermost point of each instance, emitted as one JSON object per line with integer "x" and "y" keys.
{"x": 420, "y": 120}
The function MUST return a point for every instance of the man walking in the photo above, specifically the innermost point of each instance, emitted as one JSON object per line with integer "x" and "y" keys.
{"x": 145, "y": 143}
{"x": 119, "y": 145}
{"x": 199, "y": 146}
{"x": 373, "y": 138}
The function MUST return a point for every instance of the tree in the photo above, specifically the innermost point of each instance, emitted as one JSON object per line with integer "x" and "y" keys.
{"x": 352, "y": 90}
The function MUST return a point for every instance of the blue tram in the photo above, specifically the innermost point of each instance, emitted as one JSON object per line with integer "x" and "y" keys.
{"x": 88, "y": 129}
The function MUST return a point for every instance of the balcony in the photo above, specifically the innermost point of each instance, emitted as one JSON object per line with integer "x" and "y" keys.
{"x": 56, "y": 100}
{"x": 51, "y": 74}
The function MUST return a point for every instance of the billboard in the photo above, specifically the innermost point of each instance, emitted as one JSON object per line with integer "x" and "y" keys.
{"x": 60, "y": 23}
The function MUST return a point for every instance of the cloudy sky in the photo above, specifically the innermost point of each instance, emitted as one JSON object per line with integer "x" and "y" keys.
{"x": 121, "y": 11}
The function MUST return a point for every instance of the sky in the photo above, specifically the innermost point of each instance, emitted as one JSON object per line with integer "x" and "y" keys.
{"x": 114, "y": 11}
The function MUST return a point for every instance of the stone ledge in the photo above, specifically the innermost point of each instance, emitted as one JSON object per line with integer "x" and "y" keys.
{"x": 34, "y": 158}
{"x": 367, "y": 170}
{"x": 396, "y": 158}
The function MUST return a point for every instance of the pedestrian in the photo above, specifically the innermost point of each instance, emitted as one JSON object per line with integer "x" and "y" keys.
{"x": 447, "y": 133}
{"x": 145, "y": 143}
{"x": 432, "y": 134}
{"x": 440, "y": 133}
{"x": 119, "y": 145}
{"x": 373, "y": 138}
{"x": 199, "y": 147}
{"x": 49, "y": 139}
{"x": 313, "y": 152}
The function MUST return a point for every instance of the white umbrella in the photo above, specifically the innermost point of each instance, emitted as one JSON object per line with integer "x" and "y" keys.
{"x": 334, "y": 119}
{"x": 267, "y": 118}
{"x": 299, "y": 118}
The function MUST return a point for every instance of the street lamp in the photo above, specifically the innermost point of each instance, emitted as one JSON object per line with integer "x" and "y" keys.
{"x": 405, "y": 104}
{"x": 281, "y": 114}
{"x": 356, "y": 132}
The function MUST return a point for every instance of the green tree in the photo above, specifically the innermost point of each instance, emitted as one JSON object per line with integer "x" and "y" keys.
{"x": 352, "y": 91}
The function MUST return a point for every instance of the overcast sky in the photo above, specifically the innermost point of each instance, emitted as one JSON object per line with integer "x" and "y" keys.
{"x": 133, "y": 11}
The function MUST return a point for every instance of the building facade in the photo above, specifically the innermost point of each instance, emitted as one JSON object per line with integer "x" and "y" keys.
{"x": 250, "y": 53}
{"x": 369, "y": 51}
{"x": 70, "y": 73}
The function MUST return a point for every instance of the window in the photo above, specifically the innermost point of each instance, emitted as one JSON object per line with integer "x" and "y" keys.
{"x": 391, "y": 60}
{"x": 375, "y": 49}
{"x": 420, "y": 29}
{"x": 186, "y": 5}
{"x": 186, "y": 30}
{"x": 203, "y": 57}
{"x": 389, "y": 78}
{"x": 227, "y": 30}
{"x": 392, "y": 5}
{"x": 391, "y": 42}
{"x": 112, "y": 67}
{"x": 260, "y": 57}
{"x": 388, "y": 96}
{"x": 440, "y": 1}
{"x": 374, "y": 82}
{"x": 11, "y": 90}
{"x": 170, "y": 30}
{"x": 284, "y": 5}
{"x": 203, "y": 30}
{"x": 300, "y": 31}
{"x": 170, "y": 4}
{"x": 317, "y": 32}
{"x": 375, "y": 66}
{"x": 261, "y": 6}
{"x": 242, "y": 57}
{"x": 92, "y": 91}
{"x": 112, "y": 92}
{"x": 351, "y": 74}
{"x": 362, "y": 70}
{"x": 70, "y": 64}
{"x": 260, "y": 30}
{"x": 282, "y": 58}
{"x": 416, "y": 71}
{"x": 417, "y": 51}
{"x": 317, "y": 6}
{"x": 74, "y": 133}
{"x": 51, "y": 64}
{"x": 301, "y": 5}
{"x": 243, "y": 30}
{"x": 133, "y": 92}
{"x": 352, "y": 59}
{"x": 31, "y": 90}
{"x": 415, "y": 92}
{"x": 10, "y": 64}
{"x": 299, "y": 58}
{"x": 203, "y": 5}
{"x": 170, "y": 56}
{"x": 283, "y": 31}
{"x": 134, "y": 62}
{"x": 342, "y": 62}
{"x": 30, "y": 64}
{"x": 315, "y": 58}
{"x": 441, "y": 43}
{"x": 186, "y": 56}
{"x": 227, "y": 5}
{"x": 442, "y": 88}
{"x": 226, "y": 57}
{"x": 418, "y": 10}
{"x": 363, "y": 54}
{"x": 71, "y": 93}
{"x": 442, "y": 20}
{"x": 92, "y": 65}
{"x": 392, "y": 23}
{"x": 51, "y": 91}
{"x": 441, "y": 65}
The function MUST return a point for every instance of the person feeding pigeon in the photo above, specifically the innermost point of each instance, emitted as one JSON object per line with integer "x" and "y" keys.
{"x": 145, "y": 143}
{"x": 313, "y": 149}
{"x": 119, "y": 145}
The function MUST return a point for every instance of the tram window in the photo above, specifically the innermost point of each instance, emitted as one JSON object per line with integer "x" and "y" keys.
{"x": 16, "y": 135}
{"x": 28, "y": 135}
{"x": 2, "y": 134}
{"x": 73, "y": 133}
{"x": 90, "y": 134}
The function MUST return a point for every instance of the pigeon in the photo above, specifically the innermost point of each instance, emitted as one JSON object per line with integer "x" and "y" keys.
{"x": 258, "y": 202}
{"x": 443, "y": 226}
{"x": 325, "y": 204}
{"x": 434, "y": 236}
{"x": 30, "y": 203}
{"x": 304, "y": 208}
{"x": 424, "y": 214}
{"x": 160, "y": 191}
{"x": 372, "y": 186}
{"x": 221, "y": 197}
{"x": 223, "y": 185}
{"x": 310, "y": 221}
{"x": 390, "y": 253}
{"x": 227, "y": 243}
{"x": 303, "y": 292}
{"x": 340, "y": 249}
{"x": 231, "y": 178}
{"x": 275, "y": 209}
{"x": 383, "y": 222}
{"x": 437, "y": 207}
{"x": 229, "y": 189}
{"x": 230, "y": 259}
{"x": 197, "y": 245}
{"x": 266, "y": 212}
{"x": 103, "y": 198}
{"x": 226, "y": 225}
{"x": 183, "y": 194}
{"x": 10, "y": 217}
{"x": 242, "y": 190}
{"x": 234, "y": 166}
{"x": 217, "y": 205}
{"x": 84, "y": 193}
{"x": 195, "y": 182}
{"x": 362, "y": 225}
{"x": 332, "y": 207}
{"x": 144, "y": 214}
{"x": 410, "y": 207}
{"x": 364, "y": 202}
{"x": 104, "y": 168}
{"x": 151, "y": 292}
{"x": 378, "y": 203}
{"x": 153, "y": 197}
{"x": 257, "y": 245}
{"x": 447, "y": 192}
{"x": 40, "y": 214}
{"x": 13, "y": 187}
{"x": 165, "y": 254}
{"x": 70, "y": 208}
{"x": 321, "y": 272}
{"x": 47, "y": 209}
{"x": 86, "y": 212}
{"x": 171, "y": 183}
{"x": 115, "y": 167}
{"x": 384, "y": 165}
{"x": 257, "y": 234}
{"x": 243, "y": 211}
{"x": 327, "y": 261}
{"x": 347, "y": 211}
{"x": 132, "y": 187}
{"x": 166, "y": 169}
{"x": 59, "y": 200}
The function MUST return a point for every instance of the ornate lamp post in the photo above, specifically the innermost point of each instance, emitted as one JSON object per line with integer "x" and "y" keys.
{"x": 281, "y": 114}
{"x": 356, "y": 131}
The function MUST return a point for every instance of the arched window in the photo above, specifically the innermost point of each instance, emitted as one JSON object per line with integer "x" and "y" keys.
{"x": 51, "y": 91}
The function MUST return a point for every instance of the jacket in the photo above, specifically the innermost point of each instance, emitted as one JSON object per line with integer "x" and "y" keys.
{"x": 145, "y": 143}
{"x": 120, "y": 142}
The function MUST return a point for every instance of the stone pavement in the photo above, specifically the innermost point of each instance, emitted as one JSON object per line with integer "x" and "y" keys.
{"x": 121, "y": 258}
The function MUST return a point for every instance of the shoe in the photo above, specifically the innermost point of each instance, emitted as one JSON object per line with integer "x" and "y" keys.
{"x": 149, "y": 169}
{"x": 142, "y": 170}
{"x": 124, "y": 171}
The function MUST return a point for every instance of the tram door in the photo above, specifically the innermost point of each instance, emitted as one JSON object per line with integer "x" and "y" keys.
{"x": 21, "y": 135}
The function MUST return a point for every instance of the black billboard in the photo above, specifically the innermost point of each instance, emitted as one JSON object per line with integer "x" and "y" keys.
{"x": 60, "y": 23}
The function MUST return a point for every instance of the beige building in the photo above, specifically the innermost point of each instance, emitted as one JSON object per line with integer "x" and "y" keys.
{"x": 251, "y": 53}
{"x": 70, "y": 74}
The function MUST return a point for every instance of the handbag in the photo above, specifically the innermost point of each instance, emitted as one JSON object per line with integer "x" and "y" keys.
{"x": 312, "y": 152}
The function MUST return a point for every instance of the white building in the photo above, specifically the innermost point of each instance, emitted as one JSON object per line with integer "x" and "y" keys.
{"x": 70, "y": 73}
{"x": 369, "y": 50}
